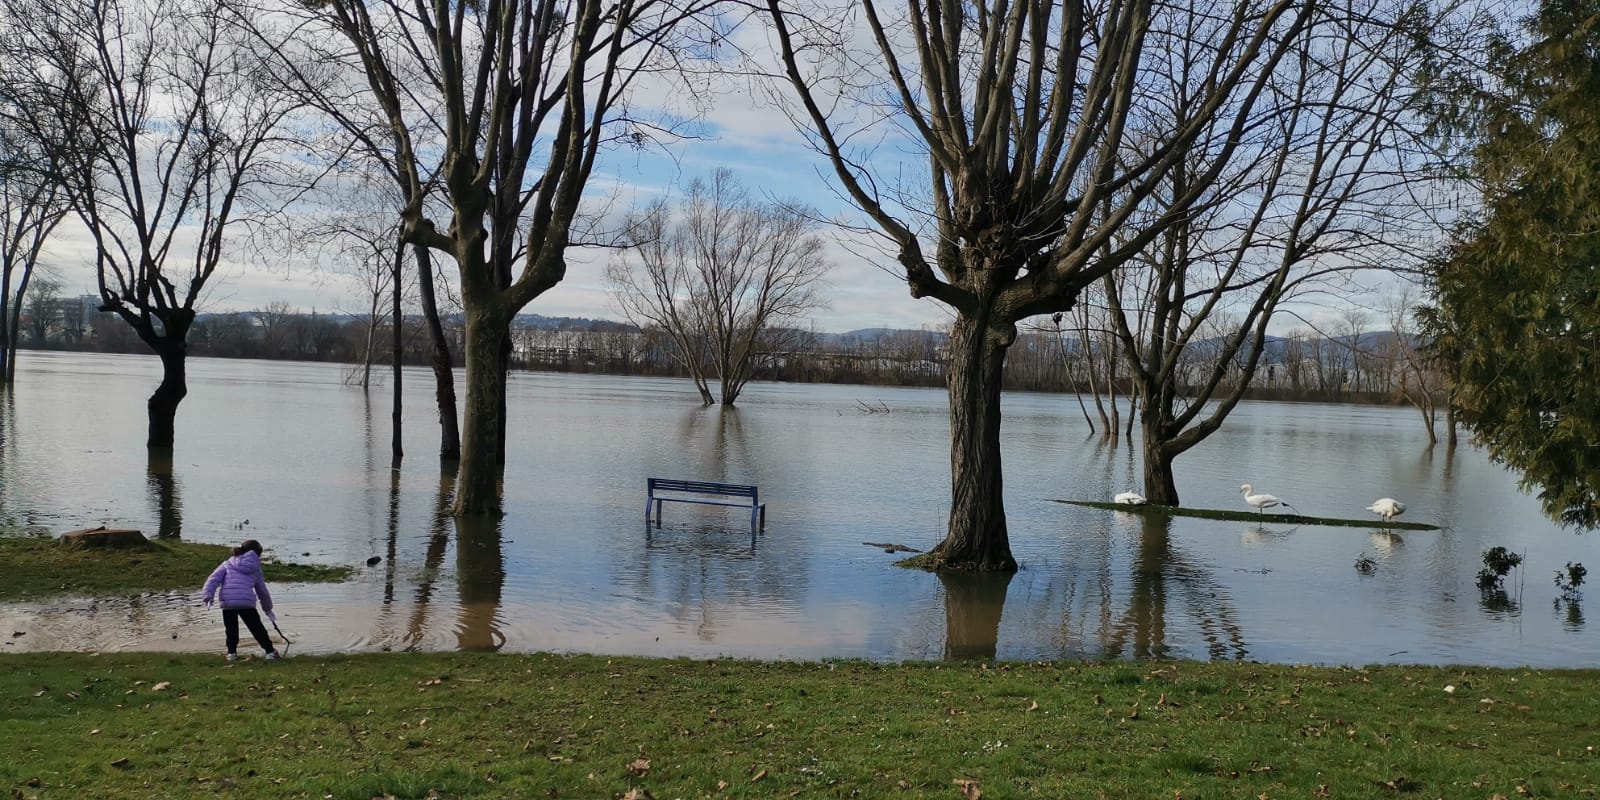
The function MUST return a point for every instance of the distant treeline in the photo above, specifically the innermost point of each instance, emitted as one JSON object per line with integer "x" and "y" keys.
{"x": 1363, "y": 369}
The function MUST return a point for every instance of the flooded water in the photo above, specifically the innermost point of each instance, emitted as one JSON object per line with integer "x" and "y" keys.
{"x": 287, "y": 454}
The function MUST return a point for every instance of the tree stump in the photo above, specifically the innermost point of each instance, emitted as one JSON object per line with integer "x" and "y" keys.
{"x": 114, "y": 538}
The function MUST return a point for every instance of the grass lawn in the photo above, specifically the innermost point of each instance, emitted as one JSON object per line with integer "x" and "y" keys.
{"x": 39, "y": 567}
{"x": 546, "y": 726}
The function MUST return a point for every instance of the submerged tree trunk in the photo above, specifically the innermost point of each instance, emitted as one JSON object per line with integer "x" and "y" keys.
{"x": 174, "y": 386}
{"x": 478, "y": 481}
{"x": 444, "y": 379}
{"x": 1159, "y": 487}
{"x": 977, "y": 539}
{"x": 397, "y": 451}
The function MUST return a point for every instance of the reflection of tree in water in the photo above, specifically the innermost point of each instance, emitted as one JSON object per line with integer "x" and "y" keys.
{"x": 727, "y": 451}
{"x": 480, "y": 577}
{"x": 432, "y": 560}
{"x": 1162, "y": 573}
{"x": 973, "y": 602}
{"x": 8, "y": 416}
{"x": 701, "y": 563}
{"x": 164, "y": 495}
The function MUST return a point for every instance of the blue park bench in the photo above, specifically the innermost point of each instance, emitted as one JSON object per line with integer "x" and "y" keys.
{"x": 705, "y": 493}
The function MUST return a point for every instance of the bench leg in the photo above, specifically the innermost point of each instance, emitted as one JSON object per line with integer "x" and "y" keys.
{"x": 659, "y": 504}
{"x": 763, "y": 516}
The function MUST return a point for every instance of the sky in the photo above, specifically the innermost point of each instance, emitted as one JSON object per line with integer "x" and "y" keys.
{"x": 759, "y": 145}
{"x": 740, "y": 130}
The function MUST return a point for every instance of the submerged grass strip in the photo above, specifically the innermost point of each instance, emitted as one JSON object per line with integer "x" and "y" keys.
{"x": 39, "y": 567}
{"x": 1252, "y": 516}
{"x": 512, "y": 726}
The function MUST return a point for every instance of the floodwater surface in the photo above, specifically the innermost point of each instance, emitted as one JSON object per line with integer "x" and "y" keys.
{"x": 288, "y": 454}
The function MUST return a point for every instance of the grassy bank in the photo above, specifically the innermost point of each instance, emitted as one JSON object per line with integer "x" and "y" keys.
{"x": 38, "y": 567}
{"x": 512, "y": 726}
{"x": 1254, "y": 516}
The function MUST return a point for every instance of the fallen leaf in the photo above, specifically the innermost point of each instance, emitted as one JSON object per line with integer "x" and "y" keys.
{"x": 120, "y": 763}
{"x": 40, "y": 693}
{"x": 638, "y": 794}
{"x": 639, "y": 767}
{"x": 969, "y": 788}
{"x": 1034, "y": 706}
{"x": 95, "y": 732}
{"x": 722, "y": 785}
{"x": 758, "y": 776}
{"x": 161, "y": 687}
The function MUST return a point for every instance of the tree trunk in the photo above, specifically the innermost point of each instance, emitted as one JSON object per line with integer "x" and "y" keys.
{"x": 444, "y": 379}
{"x": 1159, "y": 487}
{"x": 478, "y": 480}
{"x": 163, "y": 404}
{"x": 397, "y": 451}
{"x": 977, "y": 539}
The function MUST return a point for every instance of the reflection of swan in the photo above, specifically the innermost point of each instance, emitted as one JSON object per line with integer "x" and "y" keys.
{"x": 1387, "y": 507}
{"x": 1261, "y": 501}
{"x": 1385, "y": 541}
{"x": 1261, "y": 533}
{"x": 1130, "y": 499}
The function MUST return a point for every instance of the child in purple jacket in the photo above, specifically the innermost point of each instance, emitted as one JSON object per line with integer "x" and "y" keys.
{"x": 240, "y": 581}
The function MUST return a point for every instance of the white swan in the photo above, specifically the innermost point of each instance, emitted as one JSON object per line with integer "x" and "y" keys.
{"x": 1261, "y": 501}
{"x": 1129, "y": 499}
{"x": 1387, "y": 507}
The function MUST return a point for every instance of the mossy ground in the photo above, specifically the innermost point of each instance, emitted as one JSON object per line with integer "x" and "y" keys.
{"x": 1254, "y": 516}
{"x": 35, "y": 567}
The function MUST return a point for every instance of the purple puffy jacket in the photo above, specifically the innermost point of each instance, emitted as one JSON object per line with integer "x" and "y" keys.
{"x": 241, "y": 583}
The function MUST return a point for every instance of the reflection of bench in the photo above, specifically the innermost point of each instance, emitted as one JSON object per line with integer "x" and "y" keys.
{"x": 705, "y": 493}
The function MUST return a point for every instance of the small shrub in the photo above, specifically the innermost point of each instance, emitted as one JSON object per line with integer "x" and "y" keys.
{"x": 1568, "y": 581}
{"x": 1497, "y": 563}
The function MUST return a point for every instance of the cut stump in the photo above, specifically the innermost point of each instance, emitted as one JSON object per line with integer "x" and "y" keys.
{"x": 114, "y": 538}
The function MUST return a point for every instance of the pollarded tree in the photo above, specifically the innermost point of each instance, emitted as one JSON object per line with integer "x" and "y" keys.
{"x": 1515, "y": 312}
{"x": 720, "y": 275}
{"x": 526, "y": 93}
{"x": 1323, "y": 186}
{"x": 1035, "y": 119}
{"x": 165, "y": 140}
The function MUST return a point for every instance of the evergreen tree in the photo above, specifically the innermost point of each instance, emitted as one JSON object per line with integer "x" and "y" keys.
{"x": 1517, "y": 301}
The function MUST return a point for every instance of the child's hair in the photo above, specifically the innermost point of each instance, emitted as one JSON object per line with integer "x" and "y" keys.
{"x": 247, "y": 546}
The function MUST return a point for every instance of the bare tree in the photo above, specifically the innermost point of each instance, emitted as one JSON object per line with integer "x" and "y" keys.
{"x": 1421, "y": 381}
{"x": 327, "y": 77}
{"x": 167, "y": 141}
{"x": 1031, "y": 116}
{"x": 721, "y": 274}
{"x": 508, "y": 78}
{"x": 31, "y": 205}
{"x": 1320, "y": 187}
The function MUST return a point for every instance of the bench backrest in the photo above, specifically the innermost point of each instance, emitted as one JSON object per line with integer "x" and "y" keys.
{"x": 700, "y": 487}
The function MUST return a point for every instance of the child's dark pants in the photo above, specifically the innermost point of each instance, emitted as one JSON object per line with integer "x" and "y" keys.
{"x": 252, "y": 620}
